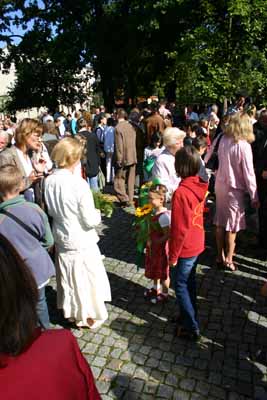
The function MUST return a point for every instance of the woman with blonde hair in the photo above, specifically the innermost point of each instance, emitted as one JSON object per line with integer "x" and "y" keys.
{"x": 235, "y": 177}
{"x": 82, "y": 282}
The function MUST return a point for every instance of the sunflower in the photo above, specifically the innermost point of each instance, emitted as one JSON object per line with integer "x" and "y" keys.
{"x": 147, "y": 185}
{"x": 142, "y": 211}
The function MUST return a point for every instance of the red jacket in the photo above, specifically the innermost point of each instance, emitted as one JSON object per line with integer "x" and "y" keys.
{"x": 52, "y": 368}
{"x": 187, "y": 232}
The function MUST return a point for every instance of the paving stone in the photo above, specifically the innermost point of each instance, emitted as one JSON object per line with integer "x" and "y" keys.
{"x": 179, "y": 370}
{"x": 145, "y": 349}
{"x": 108, "y": 375}
{"x": 171, "y": 380}
{"x": 201, "y": 364}
{"x": 90, "y": 348}
{"x": 168, "y": 357}
{"x": 181, "y": 395}
{"x": 147, "y": 397}
{"x": 164, "y": 366}
{"x": 215, "y": 378}
{"x": 218, "y": 392}
{"x": 165, "y": 391}
{"x": 152, "y": 362}
{"x": 96, "y": 371}
{"x": 123, "y": 381}
{"x": 109, "y": 341}
{"x": 187, "y": 384}
{"x": 126, "y": 356}
{"x": 99, "y": 362}
{"x": 128, "y": 368}
{"x": 103, "y": 351}
{"x": 139, "y": 358}
{"x": 202, "y": 388}
{"x": 197, "y": 396}
{"x": 142, "y": 373}
{"x": 150, "y": 387}
{"x": 103, "y": 387}
{"x": 97, "y": 339}
{"x": 136, "y": 385}
{"x": 157, "y": 354}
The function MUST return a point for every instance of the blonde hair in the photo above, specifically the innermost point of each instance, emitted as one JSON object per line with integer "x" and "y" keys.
{"x": 10, "y": 179}
{"x": 67, "y": 152}
{"x": 240, "y": 128}
{"x": 252, "y": 111}
{"x": 159, "y": 191}
{"x": 26, "y": 128}
{"x": 172, "y": 135}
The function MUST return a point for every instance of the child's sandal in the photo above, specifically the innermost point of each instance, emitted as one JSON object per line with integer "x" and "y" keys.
{"x": 148, "y": 293}
{"x": 231, "y": 266}
{"x": 160, "y": 298}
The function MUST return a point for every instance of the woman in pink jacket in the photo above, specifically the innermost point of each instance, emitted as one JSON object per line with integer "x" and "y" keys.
{"x": 235, "y": 178}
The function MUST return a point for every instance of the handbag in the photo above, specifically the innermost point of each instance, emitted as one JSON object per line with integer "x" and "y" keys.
{"x": 213, "y": 162}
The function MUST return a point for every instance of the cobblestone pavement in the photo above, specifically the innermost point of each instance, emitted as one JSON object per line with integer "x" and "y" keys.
{"x": 135, "y": 355}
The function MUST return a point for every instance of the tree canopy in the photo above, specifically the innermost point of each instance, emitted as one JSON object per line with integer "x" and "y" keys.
{"x": 192, "y": 50}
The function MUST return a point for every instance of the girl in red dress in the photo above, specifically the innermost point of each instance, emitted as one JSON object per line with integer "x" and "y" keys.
{"x": 156, "y": 261}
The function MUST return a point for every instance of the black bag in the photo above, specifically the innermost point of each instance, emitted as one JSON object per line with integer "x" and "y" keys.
{"x": 213, "y": 162}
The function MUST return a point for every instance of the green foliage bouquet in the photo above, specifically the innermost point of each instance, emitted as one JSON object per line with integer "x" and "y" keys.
{"x": 103, "y": 203}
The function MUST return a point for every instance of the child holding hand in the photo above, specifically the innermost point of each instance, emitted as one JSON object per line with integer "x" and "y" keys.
{"x": 156, "y": 261}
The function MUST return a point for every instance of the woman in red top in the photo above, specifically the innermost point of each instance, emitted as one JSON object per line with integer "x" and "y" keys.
{"x": 187, "y": 237}
{"x": 35, "y": 364}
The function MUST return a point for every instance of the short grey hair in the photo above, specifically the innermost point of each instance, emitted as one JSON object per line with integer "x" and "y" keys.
{"x": 4, "y": 134}
{"x": 172, "y": 135}
{"x": 214, "y": 108}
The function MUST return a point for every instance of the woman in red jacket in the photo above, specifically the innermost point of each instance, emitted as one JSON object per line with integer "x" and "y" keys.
{"x": 187, "y": 237}
{"x": 35, "y": 364}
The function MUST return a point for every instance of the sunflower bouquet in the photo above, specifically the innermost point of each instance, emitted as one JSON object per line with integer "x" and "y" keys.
{"x": 141, "y": 227}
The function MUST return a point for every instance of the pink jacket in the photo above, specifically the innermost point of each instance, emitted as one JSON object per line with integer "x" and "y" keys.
{"x": 236, "y": 166}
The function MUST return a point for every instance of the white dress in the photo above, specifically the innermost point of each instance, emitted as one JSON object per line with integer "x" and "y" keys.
{"x": 82, "y": 282}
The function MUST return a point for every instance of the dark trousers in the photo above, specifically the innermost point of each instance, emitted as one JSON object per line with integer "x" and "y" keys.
{"x": 262, "y": 192}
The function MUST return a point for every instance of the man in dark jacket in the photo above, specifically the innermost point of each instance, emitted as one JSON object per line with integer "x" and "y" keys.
{"x": 125, "y": 155}
{"x": 259, "y": 148}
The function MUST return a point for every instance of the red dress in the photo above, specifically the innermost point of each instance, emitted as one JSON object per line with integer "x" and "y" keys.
{"x": 51, "y": 368}
{"x": 156, "y": 261}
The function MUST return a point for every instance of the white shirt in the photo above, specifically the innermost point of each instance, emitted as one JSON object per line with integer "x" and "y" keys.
{"x": 71, "y": 205}
{"x": 149, "y": 152}
{"x": 26, "y": 162}
{"x": 165, "y": 219}
{"x": 164, "y": 170}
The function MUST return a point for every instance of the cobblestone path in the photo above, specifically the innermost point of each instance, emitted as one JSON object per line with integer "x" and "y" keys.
{"x": 135, "y": 354}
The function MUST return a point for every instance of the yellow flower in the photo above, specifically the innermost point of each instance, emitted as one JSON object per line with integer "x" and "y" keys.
{"x": 147, "y": 185}
{"x": 142, "y": 211}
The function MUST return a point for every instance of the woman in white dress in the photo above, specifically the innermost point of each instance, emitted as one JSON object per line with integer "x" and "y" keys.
{"x": 82, "y": 282}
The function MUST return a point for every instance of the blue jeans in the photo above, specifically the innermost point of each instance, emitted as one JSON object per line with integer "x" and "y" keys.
{"x": 184, "y": 276}
{"x": 42, "y": 310}
{"x": 93, "y": 183}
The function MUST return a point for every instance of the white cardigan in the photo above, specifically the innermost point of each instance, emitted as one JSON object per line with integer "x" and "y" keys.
{"x": 71, "y": 205}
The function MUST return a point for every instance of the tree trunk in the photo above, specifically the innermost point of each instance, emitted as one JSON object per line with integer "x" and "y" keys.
{"x": 170, "y": 91}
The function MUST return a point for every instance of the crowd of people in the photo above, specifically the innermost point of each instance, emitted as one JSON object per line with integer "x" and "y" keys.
{"x": 49, "y": 168}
